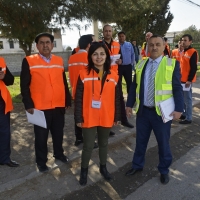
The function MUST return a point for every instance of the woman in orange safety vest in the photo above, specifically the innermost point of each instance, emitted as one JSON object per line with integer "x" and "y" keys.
{"x": 97, "y": 106}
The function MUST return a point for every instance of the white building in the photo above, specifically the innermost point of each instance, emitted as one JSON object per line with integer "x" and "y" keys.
{"x": 7, "y": 46}
{"x": 171, "y": 35}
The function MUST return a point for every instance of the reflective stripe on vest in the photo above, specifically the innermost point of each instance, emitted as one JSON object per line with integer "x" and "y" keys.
{"x": 78, "y": 63}
{"x": 163, "y": 82}
{"x": 90, "y": 79}
{"x": 46, "y": 67}
{"x": 47, "y": 85}
{"x": 104, "y": 116}
{"x": 113, "y": 80}
{"x": 186, "y": 56}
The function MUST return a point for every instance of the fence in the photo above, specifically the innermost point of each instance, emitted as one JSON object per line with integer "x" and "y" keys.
{"x": 14, "y": 60}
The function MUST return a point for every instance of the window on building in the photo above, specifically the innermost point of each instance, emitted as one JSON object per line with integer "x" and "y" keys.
{"x": 11, "y": 43}
{"x": 1, "y": 44}
{"x": 54, "y": 43}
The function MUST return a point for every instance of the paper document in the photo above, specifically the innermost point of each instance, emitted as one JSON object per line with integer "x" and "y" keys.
{"x": 37, "y": 118}
{"x": 184, "y": 88}
{"x": 114, "y": 58}
{"x": 166, "y": 108}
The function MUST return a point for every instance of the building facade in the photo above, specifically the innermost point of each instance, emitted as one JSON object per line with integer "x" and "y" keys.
{"x": 11, "y": 46}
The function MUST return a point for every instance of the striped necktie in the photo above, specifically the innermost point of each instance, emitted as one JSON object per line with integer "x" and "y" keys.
{"x": 151, "y": 85}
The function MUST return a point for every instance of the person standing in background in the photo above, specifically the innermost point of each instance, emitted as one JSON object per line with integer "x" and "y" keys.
{"x": 136, "y": 51}
{"x": 177, "y": 53}
{"x": 114, "y": 48}
{"x": 128, "y": 55}
{"x": 188, "y": 64}
{"x": 144, "y": 51}
{"x": 166, "y": 51}
{"x": 76, "y": 63}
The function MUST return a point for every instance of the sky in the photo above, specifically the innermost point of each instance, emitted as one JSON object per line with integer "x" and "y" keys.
{"x": 185, "y": 15}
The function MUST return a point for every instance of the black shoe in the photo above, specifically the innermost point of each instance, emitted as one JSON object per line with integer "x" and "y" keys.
{"x": 78, "y": 141}
{"x": 132, "y": 171}
{"x": 12, "y": 163}
{"x": 43, "y": 168}
{"x": 112, "y": 133}
{"x": 103, "y": 170}
{"x": 182, "y": 117}
{"x": 185, "y": 122}
{"x": 83, "y": 176}
{"x": 95, "y": 145}
{"x": 63, "y": 159}
{"x": 164, "y": 178}
{"x": 127, "y": 124}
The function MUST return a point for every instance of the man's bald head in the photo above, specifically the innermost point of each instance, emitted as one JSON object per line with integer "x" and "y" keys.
{"x": 148, "y": 35}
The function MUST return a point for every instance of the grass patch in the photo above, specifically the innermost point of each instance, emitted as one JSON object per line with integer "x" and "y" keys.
{"x": 15, "y": 91}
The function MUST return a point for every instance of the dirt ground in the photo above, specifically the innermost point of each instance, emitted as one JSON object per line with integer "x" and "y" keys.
{"x": 61, "y": 182}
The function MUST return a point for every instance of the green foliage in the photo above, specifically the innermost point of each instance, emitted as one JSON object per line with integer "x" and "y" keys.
{"x": 68, "y": 48}
{"x": 192, "y": 30}
{"x": 144, "y": 16}
{"x": 22, "y": 20}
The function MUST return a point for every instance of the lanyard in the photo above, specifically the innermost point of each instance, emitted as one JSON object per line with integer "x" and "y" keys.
{"x": 101, "y": 84}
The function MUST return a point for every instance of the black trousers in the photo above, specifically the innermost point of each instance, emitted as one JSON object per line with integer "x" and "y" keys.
{"x": 78, "y": 132}
{"x": 122, "y": 104}
{"x": 126, "y": 72}
{"x": 55, "y": 124}
{"x": 4, "y": 135}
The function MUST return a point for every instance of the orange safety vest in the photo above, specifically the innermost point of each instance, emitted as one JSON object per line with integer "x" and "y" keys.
{"x": 103, "y": 116}
{"x": 4, "y": 91}
{"x": 47, "y": 86}
{"x": 185, "y": 65}
{"x": 115, "y": 48}
{"x": 176, "y": 53}
{"x": 143, "y": 51}
{"x": 76, "y": 63}
{"x": 168, "y": 50}
{"x": 77, "y": 49}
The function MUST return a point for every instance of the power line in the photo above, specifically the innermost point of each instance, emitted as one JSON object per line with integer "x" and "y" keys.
{"x": 191, "y": 3}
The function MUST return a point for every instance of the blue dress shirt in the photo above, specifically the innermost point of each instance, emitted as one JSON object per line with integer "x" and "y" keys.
{"x": 128, "y": 55}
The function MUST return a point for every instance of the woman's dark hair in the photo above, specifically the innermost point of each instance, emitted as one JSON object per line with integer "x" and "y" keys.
{"x": 94, "y": 46}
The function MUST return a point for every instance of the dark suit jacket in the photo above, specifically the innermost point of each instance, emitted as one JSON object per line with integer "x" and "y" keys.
{"x": 176, "y": 85}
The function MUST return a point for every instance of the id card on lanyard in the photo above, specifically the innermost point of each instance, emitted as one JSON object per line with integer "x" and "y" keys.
{"x": 95, "y": 104}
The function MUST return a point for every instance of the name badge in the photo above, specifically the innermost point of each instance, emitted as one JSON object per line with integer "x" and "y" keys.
{"x": 96, "y": 104}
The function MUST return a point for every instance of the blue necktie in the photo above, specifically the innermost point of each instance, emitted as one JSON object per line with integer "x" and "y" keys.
{"x": 151, "y": 85}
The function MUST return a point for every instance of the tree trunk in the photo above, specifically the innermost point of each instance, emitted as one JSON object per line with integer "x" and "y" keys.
{"x": 24, "y": 47}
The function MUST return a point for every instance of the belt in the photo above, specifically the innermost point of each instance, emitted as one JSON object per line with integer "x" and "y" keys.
{"x": 150, "y": 108}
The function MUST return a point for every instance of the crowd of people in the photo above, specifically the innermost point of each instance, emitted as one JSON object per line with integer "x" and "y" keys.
{"x": 95, "y": 70}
